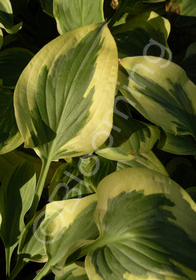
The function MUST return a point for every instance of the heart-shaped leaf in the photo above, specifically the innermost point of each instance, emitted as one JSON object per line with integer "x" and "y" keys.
{"x": 147, "y": 227}
{"x": 73, "y": 14}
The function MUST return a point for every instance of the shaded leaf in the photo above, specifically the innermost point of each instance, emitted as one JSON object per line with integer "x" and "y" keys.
{"x": 192, "y": 192}
{"x": 68, "y": 182}
{"x": 143, "y": 34}
{"x": 189, "y": 62}
{"x": 10, "y": 138}
{"x": 16, "y": 196}
{"x": 178, "y": 144}
{"x": 6, "y": 17}
{"x": 182, "y": 7}
{"x": 95, "y": 168}
{"x": 12, "y": 62}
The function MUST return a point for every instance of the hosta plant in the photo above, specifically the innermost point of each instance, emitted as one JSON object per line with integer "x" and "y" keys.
{"x": 97, "y": 140}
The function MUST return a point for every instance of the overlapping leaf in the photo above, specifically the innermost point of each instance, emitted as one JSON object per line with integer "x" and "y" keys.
{"x": 10, "y": 138}
{"x": 182, "y": 7}
{"x": 73, "y": 14}
{"x": 68, "y": 182}
{"x": 62, "y": 109}
{"x": 189, "y": 62}
{"x": 143, "y": 34}
{"x": 129, "y": 137}
{"x": 12, "y": 62}
{"x": 147, "y": 228}
{"x": 72, "y": 272}
{"x": 161, "y": 91}
{"x": 58, "y": 225}
{"x": 6, "y": 17}
{"x": 148, "y": 160}
{"x": 16, "y": 196}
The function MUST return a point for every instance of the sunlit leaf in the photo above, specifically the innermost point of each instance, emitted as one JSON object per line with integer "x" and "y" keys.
{"x": 71, "y": 272}
{"x": 161, "y": 91}
{"x": 73, "y": 14}
{"x": 62, "y": 110}
{"x": 147, "y": 160}
{"x": 78, "y": 230}
{"x": 55, "y": 220}
{"x": 147, "y": 226}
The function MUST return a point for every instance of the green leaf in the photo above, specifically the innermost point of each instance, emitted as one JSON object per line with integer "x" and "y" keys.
{"x": 143, "y": 34}
{"x": 68, "y": 182}
{"x": 16, "y": 196}
{"x": 10, "y": 138}
{"x": 64, "y": 97}
{"x": 138, "y": 137}
{"x": 147, "y": 228}
{"x": 73, "y": 14}
{"x": 6, "y": 17}
{"x": 47, "y": 7}
{"x": 182, "y": 7}
{"x": 95, "y": 168}
{"x": 189, "y": 62}
{"x": 179, "y": 145}
{"x": 192, "y": 192}
{"x": 1, "y": 38}
{"x": 161, "y": 91}
{"x": 123, "y": 6}
{"x": 72, "y": 272}
{"x": 51, "y": 222}
{"x": 78, "y": 230}
{"x": 12, "y": 62}
{"x": 147, "y": 160}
